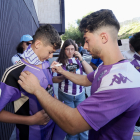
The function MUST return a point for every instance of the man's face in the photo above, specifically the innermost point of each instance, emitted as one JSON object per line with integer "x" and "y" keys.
{"x": 45, "y": 52}
{"x": 92, "y": 44}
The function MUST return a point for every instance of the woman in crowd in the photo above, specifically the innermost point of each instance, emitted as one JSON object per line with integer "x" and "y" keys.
{"x": 25, "y": 41}
{"x": 68, "y": 91}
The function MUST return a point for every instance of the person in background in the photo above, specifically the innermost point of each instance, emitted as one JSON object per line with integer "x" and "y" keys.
{"x": 25, "y": 41}
{"x": 46, "y": 41}
{"x": 135, "y": 43}
{"x": 95, "y": 62}
{"x": 69, "y": 92}
{"x": 112, "y": 109}
{"x": 130, "y": 53}
{"x": 80, "y": 49}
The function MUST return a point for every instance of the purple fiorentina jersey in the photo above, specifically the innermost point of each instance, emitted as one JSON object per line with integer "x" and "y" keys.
{"x": 114, "y": 105}
{"x": 27, "y": 104}
{"x": 136, "y": 61}
{"x": 67, "y": 86}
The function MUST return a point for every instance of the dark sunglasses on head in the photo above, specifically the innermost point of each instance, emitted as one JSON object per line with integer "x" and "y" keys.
{"x": 28, "y": 43}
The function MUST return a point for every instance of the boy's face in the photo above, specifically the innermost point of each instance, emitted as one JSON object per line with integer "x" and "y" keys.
{"x": 45, "y": 52}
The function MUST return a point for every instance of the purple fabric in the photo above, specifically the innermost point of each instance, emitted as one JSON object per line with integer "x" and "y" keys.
{"x": 58, "y": 133}
{"x": 135, "y": 63}
{"x": 8, "y": 94}
{"x": 74, "y": 86}
{"x": 111, "y": 113}
{"x": 81, "y": 71}
{"x": 103, "y": 111}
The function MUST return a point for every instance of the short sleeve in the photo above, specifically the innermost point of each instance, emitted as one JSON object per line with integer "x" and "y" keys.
{"x": 15, "y": 59}
{"x": 90, "y": 76}
{"x": 100, "y": 108}
{"x": 8, "y": 94}
{"x": 9, "y": 87}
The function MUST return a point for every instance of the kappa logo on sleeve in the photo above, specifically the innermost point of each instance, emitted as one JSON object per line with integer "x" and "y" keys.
{"x": 0, "y": 92}
{"x": 119, "y": 79}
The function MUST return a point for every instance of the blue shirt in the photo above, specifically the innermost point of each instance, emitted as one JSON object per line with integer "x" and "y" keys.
{"x": 80, "y": 49}
{"x": 97, "y": 61}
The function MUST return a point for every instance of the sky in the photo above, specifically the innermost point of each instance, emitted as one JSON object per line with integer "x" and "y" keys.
{"x": 123, "y": 9}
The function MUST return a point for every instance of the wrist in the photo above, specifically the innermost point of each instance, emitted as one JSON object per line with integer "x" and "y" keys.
{"x": 82, "y": 60}
{"x": 32, "y": 120}
{"x": 62, "y": 72}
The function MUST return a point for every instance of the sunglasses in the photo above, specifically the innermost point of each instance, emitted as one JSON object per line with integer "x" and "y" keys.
{"x": 28, "y": 43}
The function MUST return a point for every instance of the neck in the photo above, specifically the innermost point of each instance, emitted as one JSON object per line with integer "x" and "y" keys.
{"x": 112, "y": 55}
{"x": 39, "y": 66}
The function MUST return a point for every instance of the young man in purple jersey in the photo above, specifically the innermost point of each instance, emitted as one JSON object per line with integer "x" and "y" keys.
{"x": 113, "y": 108}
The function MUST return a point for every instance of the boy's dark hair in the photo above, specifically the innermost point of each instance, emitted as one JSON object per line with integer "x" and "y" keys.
{"x": 98, "y": 19}
{"x": 19, "y": 48}
{"x": 62, "y": 56}
{"x": 135, "y": 41}
{"x": 48, "y": 35}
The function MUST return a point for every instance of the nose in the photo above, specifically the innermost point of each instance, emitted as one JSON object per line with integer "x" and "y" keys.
{"x": 51, "y": 55}
{"x": 86, "y": 46}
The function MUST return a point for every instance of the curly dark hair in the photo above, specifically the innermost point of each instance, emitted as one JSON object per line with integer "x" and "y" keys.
{"x": 49, "y": 36}
{"x": 62, "y": 56}
{"x": 98, "y": 19}
{"x": 135, "y": 41}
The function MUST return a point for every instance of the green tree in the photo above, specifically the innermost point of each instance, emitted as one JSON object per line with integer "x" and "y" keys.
{"x": 73, "y": 32}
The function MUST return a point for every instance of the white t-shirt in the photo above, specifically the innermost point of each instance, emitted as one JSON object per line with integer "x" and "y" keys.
{"x": 128, "y": 55}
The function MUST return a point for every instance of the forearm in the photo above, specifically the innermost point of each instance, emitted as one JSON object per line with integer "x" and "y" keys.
{"x": 77, "y": 78}
{"x": 9, "y": 117}
{"x": 61, "y": 113}
{"x": 88, "y": 69}
{"x": 58, "y": 79}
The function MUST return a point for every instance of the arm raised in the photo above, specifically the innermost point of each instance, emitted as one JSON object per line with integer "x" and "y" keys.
{"x": 75, "y": 78}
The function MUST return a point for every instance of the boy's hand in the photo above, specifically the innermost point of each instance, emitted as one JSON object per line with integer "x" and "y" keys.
{"x": 40, "y": 118}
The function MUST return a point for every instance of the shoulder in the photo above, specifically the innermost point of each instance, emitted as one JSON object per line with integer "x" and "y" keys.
{"x": 13, "y": 72}
{"x": 15, "y": 59}
{"x": 118, "y": 76}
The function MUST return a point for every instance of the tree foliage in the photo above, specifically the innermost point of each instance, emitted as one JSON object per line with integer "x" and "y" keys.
{"x": 73, "y": 32}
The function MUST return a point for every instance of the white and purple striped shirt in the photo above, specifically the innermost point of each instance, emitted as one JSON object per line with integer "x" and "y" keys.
{"x": 69, "y": 87}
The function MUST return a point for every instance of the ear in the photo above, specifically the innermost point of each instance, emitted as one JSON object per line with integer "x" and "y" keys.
{"x": 104, "y": 37}
{"x": 37, "y": 44}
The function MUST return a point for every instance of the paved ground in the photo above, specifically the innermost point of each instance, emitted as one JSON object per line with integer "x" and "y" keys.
{"x": 87, "y": 58}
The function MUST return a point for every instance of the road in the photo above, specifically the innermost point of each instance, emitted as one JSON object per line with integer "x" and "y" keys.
{"x": 87, "y": 58}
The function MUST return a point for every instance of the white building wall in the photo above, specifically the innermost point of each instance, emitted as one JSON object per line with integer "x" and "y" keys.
{"x": 48, "y": 11}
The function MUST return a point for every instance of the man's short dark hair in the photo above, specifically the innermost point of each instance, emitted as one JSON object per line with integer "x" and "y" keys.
{"x": 135, "y": 41}
{"x": 48, "y": 35}
{"x": 99, "y": 19}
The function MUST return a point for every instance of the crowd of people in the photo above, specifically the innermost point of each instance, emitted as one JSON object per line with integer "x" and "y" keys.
{"x": 112, "y": 110}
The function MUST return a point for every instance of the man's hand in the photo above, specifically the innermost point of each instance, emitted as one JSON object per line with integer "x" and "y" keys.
{"x": 29, "y": 82}
{"x": 40, "y": 118}
{"x": 57, "y": 69}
